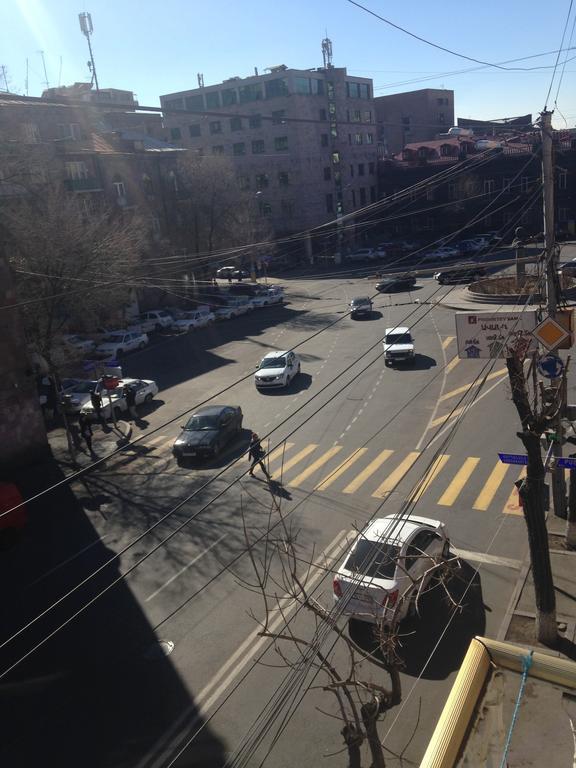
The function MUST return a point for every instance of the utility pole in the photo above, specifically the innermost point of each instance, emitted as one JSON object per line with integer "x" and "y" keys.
{"x": 551, "y": 261}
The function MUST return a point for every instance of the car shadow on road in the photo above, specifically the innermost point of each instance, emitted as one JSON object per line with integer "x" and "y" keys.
{"x": 433, "y": 644}
{"x": 300, "y": 383}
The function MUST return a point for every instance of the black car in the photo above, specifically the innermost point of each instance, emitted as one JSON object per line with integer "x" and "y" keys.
{"x": 453, "y": 276}
{"x": 403, "y": 283}
{"x": 361, "y": 307}
{"x": 207, "y": 431}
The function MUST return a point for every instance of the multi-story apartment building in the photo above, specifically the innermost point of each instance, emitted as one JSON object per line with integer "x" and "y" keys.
{"x": 304, "y": 141}
{"x": 404, "y": 118}
{"x": 493, "y": 186}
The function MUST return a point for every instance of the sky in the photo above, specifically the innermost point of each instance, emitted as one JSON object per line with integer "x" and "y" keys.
{"x": 153, "y": 47}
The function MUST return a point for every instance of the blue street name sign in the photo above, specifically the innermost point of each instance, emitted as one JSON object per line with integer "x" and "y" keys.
{"x": 513, "y": 458}
{"x": 566, "y": 463}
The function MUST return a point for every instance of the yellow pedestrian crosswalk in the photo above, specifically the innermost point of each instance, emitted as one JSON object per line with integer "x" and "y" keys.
{"x": 470, "y": 482}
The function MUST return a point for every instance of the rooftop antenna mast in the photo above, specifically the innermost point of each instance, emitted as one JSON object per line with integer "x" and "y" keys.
{"x": 87, "y": 29}
{"x": 200, "y": 80}
{"x": 46, "y": 83}
{"x": 327, "y": 53}
{"x": 27, "y": 77}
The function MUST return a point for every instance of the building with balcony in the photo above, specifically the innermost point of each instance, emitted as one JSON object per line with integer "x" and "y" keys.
{"x": 302, "y": 140}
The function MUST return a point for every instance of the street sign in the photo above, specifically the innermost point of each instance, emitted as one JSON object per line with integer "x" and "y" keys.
{"x": 550, "y": 333}
{"x": 551, "y": 366}
{"x": 495, "y": 334}
{"x": 565, "y": 462}
{"x": 513, "y": 458}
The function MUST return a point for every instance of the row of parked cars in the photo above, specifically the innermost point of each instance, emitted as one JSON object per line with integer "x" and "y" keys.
{"x": 444, "y": 251}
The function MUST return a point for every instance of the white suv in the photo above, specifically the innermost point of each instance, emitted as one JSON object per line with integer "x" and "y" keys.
{"x": 277, "y": 369}
{"x": 398, "y": 346}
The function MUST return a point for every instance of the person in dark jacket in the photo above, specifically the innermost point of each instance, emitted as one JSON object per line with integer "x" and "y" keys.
{"x": 255, "y": 454}
{"x": 85, "y": 431}
{"x": 96, "y": 400}
{"x": 130, "y": 395}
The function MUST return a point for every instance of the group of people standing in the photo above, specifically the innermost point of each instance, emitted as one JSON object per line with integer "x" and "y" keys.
{"x": 85, "y": 423}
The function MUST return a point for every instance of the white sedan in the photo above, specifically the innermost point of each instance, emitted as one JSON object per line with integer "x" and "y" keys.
{"x": 390, "y": 562}
{"x": 145, "y": 390}
{"x": 186, "y": 321}
{"x": 79, "y": 343}
{"x": 225, "y": 312}
{"x": 121, "y": 342}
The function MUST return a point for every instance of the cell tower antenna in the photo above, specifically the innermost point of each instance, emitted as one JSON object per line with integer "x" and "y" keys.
{"x": 26, "y": 84}
{"x": 46, "y": 83}
{"x": 200, "y": 80}
{"x": 87, "y": 30}
{"x": 327, "y": 53}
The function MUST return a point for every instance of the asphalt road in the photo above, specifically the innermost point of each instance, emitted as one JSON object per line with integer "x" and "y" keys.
{"x": 349, "y": 440}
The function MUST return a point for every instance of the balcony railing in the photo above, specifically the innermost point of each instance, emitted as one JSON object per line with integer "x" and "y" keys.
{"x": 82, "y": 185}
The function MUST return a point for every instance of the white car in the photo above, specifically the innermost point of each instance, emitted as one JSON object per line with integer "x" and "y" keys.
{"x": 192, "y": 319}
{"x": 160, "y": 318}
{"x": 362, "y": 254}
{"x": 145, "y": 390}
{"x": 398, "y": 346}
{"x": 140, "y": 325}
{"x": 277, "y": 369}
{"x": 76, "y": 396}
{"x": 441, "y": 254}
{"x": 119, "y": 343}
{"x": 225, "y": 312}
{"x": 79, "y": 343}
{"x": 276, "y": 294}
{"x": 391, "y": 561}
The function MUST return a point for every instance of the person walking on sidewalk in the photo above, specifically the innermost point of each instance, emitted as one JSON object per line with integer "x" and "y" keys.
{"x": 96, "y": 400}
{"x": 85, "y": 431}
{"x": 130, "y": 395}
{"x": 255, "y": 454}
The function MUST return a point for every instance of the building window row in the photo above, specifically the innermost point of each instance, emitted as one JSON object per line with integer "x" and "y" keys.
{"x": 258, "y": 147}
{"x": 308, "y": 86}
{"x": 243, "y": 94}
{"x": 359, "y": 116}
{"x": 360, "y": 138}
{"x": 357, "y": 90}
{"x": 262, "y": 181}
{"x": 362, "y": 169}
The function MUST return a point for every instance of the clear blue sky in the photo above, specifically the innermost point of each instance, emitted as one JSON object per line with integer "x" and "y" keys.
{"x": 153, "y": 47}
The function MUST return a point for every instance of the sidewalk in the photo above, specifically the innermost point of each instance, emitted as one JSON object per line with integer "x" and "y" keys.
{"x": 105, "y": 441}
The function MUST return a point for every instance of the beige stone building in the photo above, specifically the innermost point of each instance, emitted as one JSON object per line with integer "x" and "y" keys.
{"x": 304, "y": 141}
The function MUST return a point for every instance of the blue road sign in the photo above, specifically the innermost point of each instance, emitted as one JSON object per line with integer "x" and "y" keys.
{"x": 513, "y": 458}
{"x": 565, "y": 462}
{"x": 551, "y": 366}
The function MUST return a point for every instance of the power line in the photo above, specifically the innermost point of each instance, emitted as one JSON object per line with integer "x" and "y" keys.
{"x": 558, "y": 56}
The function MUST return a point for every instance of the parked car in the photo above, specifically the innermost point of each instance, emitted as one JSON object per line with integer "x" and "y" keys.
{"x": 277, "y": 369}
{"x": 75, "y": 397}
{"x": 207, "y": 431}
{"x": 466, "y": 275}
{"x": 224, "y": 312}
{"x": 361, "y": 306}
{"x": 115, "y": 399}
{"x": 161, "y": 318}
{"x": 244, "y": 289}
{"x": 398, "y": 346}
{"x": 79, "y": 343}
{"x": 239, "y": 304}
{"x": 472, "y": 245}
{"x": 442, "y": 253}
{"x": 400, "y": 283}
{"x": 119, "y": 343}
{"x": 140, "y": 324}
{"x": 186, "y": 321}
{"x": 390, "y": 561}
{"x": 362, "y": 254}
{"x": 276, "y": 294}
{"x": 236, "y": 273}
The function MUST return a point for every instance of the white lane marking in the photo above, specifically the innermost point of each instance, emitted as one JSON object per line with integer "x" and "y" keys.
{"x": 182, "y": 570}
{"x": 247, "y": 650}
{"x": 484, "y": 557}
{"x": 442, "y": 388}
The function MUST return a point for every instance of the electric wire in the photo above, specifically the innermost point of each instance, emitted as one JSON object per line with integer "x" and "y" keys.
{"x": 558, "y": 55}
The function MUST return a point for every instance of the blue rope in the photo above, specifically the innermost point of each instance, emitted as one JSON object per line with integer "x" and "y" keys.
{"x": 526, "y": 664}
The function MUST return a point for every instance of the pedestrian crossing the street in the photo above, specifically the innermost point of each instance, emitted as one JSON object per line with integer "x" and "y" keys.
{"x": 482, "y": 484}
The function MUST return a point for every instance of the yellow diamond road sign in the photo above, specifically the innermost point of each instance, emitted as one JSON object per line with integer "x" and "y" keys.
{"x": 550, "y": 333}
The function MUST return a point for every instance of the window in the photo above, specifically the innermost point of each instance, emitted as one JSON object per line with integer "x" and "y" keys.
{"x": 323, "y": 115}
{"x": 218, "y": 149}
{"x": 31, "y": 133}
{"x": 329, "y": 203}
{"x": 119, "y": 189}
{"x": 360, "y": 169}
{"x": 327, "y": 173}
{"x": 333, "y": 130}
{"x": 441, "y": 118}
{"x": 369, "y": 138}
{"x": 265, "y": 208}
{"x": 372, "y": 194}
{"x": 239, "y": 148}
{"x": 335, "y": 157}
{"x": 350, "y": 138}
{"x": 563, "y": 180}
{"x": 283, "y": 178}
{"x": 244, "y": 182}
{"x": 323, "y": 139}
{"x": 357, "y": 90}
{"x": 258, "y": 147}
{"x": 275, "y": 88}
{"x": 287, "y": 207}
{"x": 173, "y": 105}
{"x": 371, "y": 168}
{"x": 406, "y": 121}
{"x": 235, "y": 123}
{"x": 281, "y": 143}
{"x": 255, "y": 121}
{"x": 351, "y": 170}
{"x": 69, "y": 131}
{"x": 76, "y": 170}
{"x": 362, "y": 196}
{"x": 229, "y": 97}
{"x": 251, "y": 92}
{"x": 278, "y": 117}
{"x": 215, "y": 126}
{"x": 357, "y": 138}
{"x": 261, "y": 181}
{"x": 194, "y": 103}
{"x": 212, "y": 99}
{"x": 524, "y": 184}
{"x": 368, "y": 116}
{"x": 309, "y": 86}
{"x": 175, "y": 133}
{"x": 353, "y": 198}
{"x": 489, "y": 186}
{"x": 194, "y": 130}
